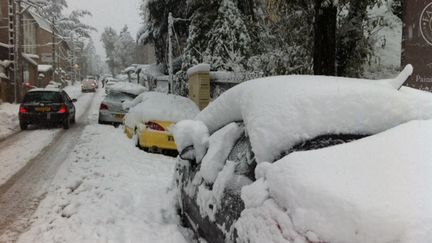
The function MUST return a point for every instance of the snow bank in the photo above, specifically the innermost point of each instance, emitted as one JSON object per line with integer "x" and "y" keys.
{"x": 159, "y": 106}
{"x": 8, "y": 119}
{"x": 281, "y": 111}
{"x": 372, "y": 190}
{"x": 108, "y": 191}
{"x": 127, "y": 87}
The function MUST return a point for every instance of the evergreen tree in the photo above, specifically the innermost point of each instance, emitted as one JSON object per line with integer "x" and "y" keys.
{"x": 228, "y": 41}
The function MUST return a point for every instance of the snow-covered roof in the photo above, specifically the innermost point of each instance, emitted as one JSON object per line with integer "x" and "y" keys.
{"x": 202, "y": 67}
{"x": 43, "y": 24}
{"x": 5, "y": 63}
{"x": 29, "y": 58}
{"x": 282, "y": 111}
{"x": 44, "y": 68}
{"x": 376, "y": 189}
{"x": 127, "y": 87}
{"x": 159, "y": 106}
{"x": 51, "y": 88}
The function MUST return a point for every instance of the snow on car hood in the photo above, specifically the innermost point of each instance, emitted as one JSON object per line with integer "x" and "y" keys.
{"x": 281, "y": 111}
{"x": 376, "y": 189}
{"x": 159, "y": 106}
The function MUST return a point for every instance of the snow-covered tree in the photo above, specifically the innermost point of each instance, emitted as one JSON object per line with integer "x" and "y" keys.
{"x": 124, "y": 49}
{"x": 228, "y": 41}
{"x": 109, "y": 37}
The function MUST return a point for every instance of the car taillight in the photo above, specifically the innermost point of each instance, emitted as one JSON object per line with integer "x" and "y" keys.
{"x": 154, "y": 126}
{"x": 22, "y": 109}
{"x": 63, "y": 109}
{"x": 103, "y": 107}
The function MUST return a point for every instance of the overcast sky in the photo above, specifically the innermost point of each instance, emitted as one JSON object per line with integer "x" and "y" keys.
{"x": 114, "y": 13}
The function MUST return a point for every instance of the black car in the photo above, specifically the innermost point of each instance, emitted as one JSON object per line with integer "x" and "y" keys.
{"x": 221, "y": 229}
{"x": 47, "y": 106}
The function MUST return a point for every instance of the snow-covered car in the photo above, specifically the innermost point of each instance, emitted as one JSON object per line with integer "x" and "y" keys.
{"x": 111, "y": 108}
{"x": 150, "y": 117}
{"x": 109, "y": 82}
{"x": 301, "y": 159}
{"x": 54, "y": 84}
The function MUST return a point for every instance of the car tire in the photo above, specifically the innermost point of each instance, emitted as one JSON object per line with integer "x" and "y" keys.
{"x": 23, "y": 125}
{"x": 73, "y": 121}
{"x": 66, "y": 123}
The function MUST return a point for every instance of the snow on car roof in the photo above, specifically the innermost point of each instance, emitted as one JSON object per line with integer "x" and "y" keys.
{"x": 48, "y": 88}
{"x": 127, "y": 87}
{"x": 281, "y": 111}
{"x": 343, "y": 194}
{"x": 159, "y": 106}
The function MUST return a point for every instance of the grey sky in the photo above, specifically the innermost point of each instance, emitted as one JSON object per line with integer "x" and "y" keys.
{"x": 114, "y": 13}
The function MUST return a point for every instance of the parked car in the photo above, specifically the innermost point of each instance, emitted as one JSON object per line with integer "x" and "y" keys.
{"x": 88, "y": 85}
{"x": 227, "y": 191}
{"x": 54, "y": 84}
{"x": 150, "y": 117}
{"x": 111, "y": 109}
{"x": 46, "y": 106}
{"x": 109, "y": 82}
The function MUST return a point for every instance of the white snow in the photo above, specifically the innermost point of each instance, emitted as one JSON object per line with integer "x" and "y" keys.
{"x": 375, "y": 189}
{"x": 159, "y": 106}
{"x": 44, "y": 68}
{"x": 8, "y": 119}
{"x": 202, "y": 67}
{"x": 220, "y": 145}
{"x": 108, "y": 191}
{"x": 192, "y": 133}
{"x": 281, "y": 111}
{"x": 127, "y": 87}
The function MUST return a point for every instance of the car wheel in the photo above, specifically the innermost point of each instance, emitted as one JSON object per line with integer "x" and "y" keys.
{"x": 116, "y": 125}
{"x": 23, "y": 125}
{"x": 66, "y": 123}
{"x": 137, "y": 141}
{"x": 73, "y": 119}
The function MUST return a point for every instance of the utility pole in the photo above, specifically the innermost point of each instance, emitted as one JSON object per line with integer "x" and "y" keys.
{"x": 170, "y": 54}
{"x": 18, "y": 75}
{"x": 53, "y": 48}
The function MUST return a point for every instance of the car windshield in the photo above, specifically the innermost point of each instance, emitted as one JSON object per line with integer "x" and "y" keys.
{"x": 43, "y": 96}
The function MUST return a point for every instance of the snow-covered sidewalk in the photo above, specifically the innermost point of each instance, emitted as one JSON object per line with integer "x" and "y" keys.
{"x": 9, "y": 123}
{"x": 108, "y": 191}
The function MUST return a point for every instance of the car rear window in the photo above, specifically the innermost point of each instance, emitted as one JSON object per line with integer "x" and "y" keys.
{"x": 43, "y": 96}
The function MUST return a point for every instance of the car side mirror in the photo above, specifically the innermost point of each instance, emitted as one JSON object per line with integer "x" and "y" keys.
{"x": 74, "y": 100}
{"x": 188, "y": 153}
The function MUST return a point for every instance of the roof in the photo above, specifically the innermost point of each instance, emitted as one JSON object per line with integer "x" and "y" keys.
{"x": 44, "y": 68}
{"x": 28, "y": 58}
{"x": 43, "y": 24}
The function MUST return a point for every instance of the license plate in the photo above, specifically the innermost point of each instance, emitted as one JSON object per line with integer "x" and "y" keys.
{"x": 43, "y": 109}
{"x": 119, "y": 116}
{"x": 171, "y": 138}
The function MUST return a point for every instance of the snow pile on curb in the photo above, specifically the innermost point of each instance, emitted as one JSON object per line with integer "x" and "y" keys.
{"x": 161, "y": 107}
{"x": 281, "y": 111}
{"x": 343, "y": 194}
{"x": 108, "y": 191}
{"x": 9, "y": 122}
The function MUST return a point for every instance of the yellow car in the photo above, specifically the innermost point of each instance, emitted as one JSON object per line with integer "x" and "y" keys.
{"x": 150, "y": 117}
{"x": 153, "y": 136}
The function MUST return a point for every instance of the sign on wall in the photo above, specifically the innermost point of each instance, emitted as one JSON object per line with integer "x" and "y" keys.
{"x": 417, "y": 42}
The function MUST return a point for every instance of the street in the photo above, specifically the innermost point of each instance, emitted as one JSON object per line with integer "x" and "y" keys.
{"x": 79, "y": 180}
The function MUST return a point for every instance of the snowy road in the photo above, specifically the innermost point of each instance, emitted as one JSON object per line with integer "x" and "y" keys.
{"x": 91, "y": 184}
{"x": 29, "y": 162}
